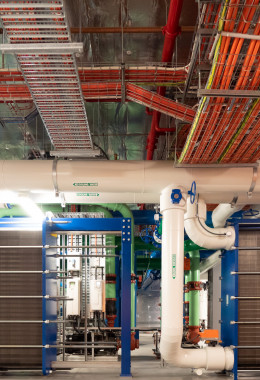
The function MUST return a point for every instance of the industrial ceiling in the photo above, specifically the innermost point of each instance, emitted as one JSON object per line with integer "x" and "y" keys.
{"x": 157, "y": 79}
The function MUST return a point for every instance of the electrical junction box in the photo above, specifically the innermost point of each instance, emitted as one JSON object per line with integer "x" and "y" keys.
{"x": 73, "y": 291}
{"x": 97, "y": 295}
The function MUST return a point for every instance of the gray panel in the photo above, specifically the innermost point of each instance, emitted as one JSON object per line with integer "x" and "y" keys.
{"x": 249, "y": 310}
{"x": 20, "y": 309}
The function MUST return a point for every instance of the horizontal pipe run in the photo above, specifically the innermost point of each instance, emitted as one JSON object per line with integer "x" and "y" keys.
{"x": 247, "y": 248}
{"x": 45, "y": 297}
{"x": 241, "y": 35}
{"x": 30, "y": 271}
{"x": 34, "y": 271}
{"x": 129, "y": 181}
{"x": 245, "y": 273}
{"x": 213, "y": 93}
{"x": 54, "y": 346}
{"x": 79, "y": 246}
{"x": 119, "y": 30}
{"x": 249, "y": 347}
{"x": 244, "y": 322}
{"x": 43, "y": 48}
{"x": 244, "y": 298}
{"x": 69, "y": 256}
{"x": 59, "y": 321}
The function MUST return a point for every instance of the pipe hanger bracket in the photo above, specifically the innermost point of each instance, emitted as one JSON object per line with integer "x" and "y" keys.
{"x": 253, "y": 183}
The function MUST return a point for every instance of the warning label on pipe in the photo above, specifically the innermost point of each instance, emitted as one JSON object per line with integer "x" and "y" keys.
{"x": 85, "y": 184}
{"x": 173, "y": 266}
{"x": 87, "y": 194}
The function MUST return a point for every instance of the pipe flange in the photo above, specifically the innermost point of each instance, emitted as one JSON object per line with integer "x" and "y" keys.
{"x": 110, "y": 278}
{"x": 194, "y": 285}
{"x": 133, "y": 278}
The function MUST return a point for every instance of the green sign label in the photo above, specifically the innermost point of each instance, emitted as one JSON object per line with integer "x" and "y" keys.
{"x": 87, "y": 195}
{"x": 85, "y": 184}
{"x": 174, "y": 266}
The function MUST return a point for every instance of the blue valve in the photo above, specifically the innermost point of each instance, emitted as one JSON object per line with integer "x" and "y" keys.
{"x": 192, "y": 192}
{"x": 147, "y": 235}
{"x": 176, "y": 196}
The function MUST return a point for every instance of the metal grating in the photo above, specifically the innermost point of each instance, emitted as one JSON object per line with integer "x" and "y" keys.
{"x": 52, "y": 77}
{"x": 249, "y": 310}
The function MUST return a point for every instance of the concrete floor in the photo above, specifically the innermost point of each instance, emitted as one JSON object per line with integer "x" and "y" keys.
{"x": 144, "y": 367}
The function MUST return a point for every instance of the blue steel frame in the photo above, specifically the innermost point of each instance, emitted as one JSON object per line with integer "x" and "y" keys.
{"x": 103, "y": 225}
{"x": 229, "y": 308}
{"x": 49, "y": 306}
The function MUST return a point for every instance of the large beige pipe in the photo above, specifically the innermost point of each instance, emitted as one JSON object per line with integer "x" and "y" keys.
{"x": 132, "y": 177}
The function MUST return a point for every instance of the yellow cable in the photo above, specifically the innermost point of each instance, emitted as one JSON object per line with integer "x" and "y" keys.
{"x": 208, "y": 86}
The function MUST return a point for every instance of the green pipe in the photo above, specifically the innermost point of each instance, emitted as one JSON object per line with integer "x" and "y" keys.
{"x": 186, "y": 280}
{"x": 11, "y": 212}
{"x": 190, "y": 246}
{"x": 194, "y": 295}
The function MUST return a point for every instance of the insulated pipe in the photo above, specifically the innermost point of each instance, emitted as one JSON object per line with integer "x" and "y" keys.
{"x": 211, "y": 358}
{"x": 201, "y": 234}
{"x": 131, "y": 179}
{"x": 222, "y": 212}
{"x": 186, "y": 297}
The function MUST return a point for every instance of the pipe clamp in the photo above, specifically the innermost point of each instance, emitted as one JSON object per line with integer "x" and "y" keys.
{"x": 253, "y": 183}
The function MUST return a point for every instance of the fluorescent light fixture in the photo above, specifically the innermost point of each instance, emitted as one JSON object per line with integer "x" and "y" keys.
{"x": 31, "y": 208}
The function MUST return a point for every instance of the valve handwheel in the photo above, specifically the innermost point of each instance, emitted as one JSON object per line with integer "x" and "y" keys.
{"x": 147, "y": 235}
{"x": 192, "y": 192}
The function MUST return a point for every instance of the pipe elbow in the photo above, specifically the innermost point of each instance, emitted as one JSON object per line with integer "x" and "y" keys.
{"x": 209, "y": 358}
{"x": 201, "y": 234}
{"x": 222, "y": 212}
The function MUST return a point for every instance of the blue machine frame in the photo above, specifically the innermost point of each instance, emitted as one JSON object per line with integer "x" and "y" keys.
{"x": 121, "y": 226}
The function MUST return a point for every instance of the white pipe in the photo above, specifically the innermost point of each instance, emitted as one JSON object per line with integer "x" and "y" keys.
{"x": 212, "y": 358}
{"x": 241, "y": 35}
{"x": 210, "y": 262}
{"x": 216, "y": 185}
{"x": 222, "y": 212}
{"x": 200, "y": 233}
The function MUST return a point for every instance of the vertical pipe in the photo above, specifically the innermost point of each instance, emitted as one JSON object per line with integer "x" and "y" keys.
{"x": 194, "y": 295}
{"x": 186, "y": 297}
{"x": 170, "y": 31}
{"x": 172, "y": 280}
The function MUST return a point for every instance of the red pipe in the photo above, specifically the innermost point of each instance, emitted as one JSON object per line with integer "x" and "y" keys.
{"x": 170, "y": 31}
